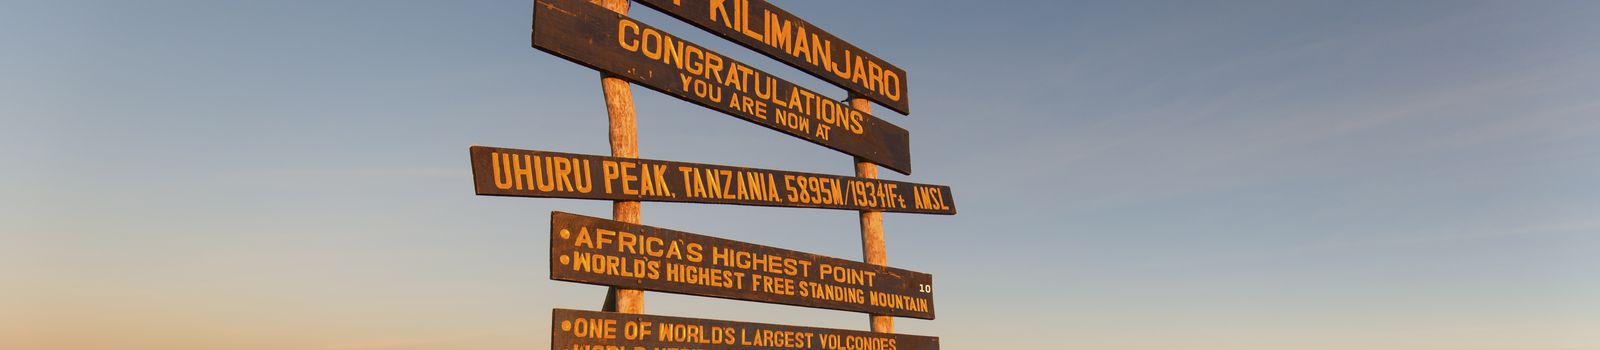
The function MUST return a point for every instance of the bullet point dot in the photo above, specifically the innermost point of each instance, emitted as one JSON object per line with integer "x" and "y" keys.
{"x": 566, "y": 326}
{"x": 566, "y": 234}
{"x": 565, "y": 260}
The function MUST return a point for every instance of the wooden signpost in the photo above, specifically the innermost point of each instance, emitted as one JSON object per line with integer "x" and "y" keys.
{"x": 524, "y": 173}
{"x": 576, "y": 329}
{"x": 631, "y": 258}
{"x": 613, "y": 43}
{"x": 605, "y": 252}
{"x": 765, "y": 28}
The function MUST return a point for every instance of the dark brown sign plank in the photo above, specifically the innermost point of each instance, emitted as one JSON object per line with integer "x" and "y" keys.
{"x": 594, "y": 330}
{"x": 613, "y": 253}
{"x": 523, "y": 173}
{"x": 765, "y": 28}
{"x": 609, "y": 42}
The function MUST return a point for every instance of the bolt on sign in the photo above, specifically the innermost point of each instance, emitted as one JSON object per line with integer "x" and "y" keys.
{"x": 613, "y": 253}
{"x": 765, "y": 28}
{"x": 610, "y": 42}
{"x": 591, "y": 330}
{"x": 525, "y": 173}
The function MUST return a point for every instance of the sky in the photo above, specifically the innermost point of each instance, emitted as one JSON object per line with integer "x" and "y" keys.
{"x": 1129, "y": 174}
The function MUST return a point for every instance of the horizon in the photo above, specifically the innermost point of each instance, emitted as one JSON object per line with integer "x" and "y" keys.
{"x": 1131, "y": 175}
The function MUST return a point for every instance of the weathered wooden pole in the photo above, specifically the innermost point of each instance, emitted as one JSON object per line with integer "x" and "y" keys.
{"x": 872, "y": 246}
{"x": 624, "y": 144}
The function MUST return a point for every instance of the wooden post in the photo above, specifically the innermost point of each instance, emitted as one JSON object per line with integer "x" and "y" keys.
{"x": 872, "y": 246}
{"x": 624, "y": 144}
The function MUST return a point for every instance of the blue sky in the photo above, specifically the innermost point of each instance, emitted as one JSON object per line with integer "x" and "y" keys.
{"x": 1130, "y": 175}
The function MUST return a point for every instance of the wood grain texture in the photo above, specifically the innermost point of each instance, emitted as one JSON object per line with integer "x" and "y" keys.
{"x": 624, "y": 136}
{"x": 613, "y": 43}
{"x": 874, "y": 250}
{"x": 611, "y": 253}
{"x": 525, "y": 173}
{"x": 575, "y": 329}
{"x": 776, "y": 33}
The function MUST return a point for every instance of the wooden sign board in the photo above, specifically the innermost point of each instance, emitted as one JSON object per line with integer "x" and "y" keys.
{"x": 594, "y": 330}
{"x": 609, "y": 42}
{"x": 765, "y": 28}
{"x": 613, "y": 253}
{"x": 524, "y": 173}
